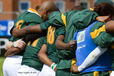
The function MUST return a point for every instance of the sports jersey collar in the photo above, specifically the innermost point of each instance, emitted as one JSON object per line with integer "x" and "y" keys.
{"x": 91, "y": 9}
{"x": 33, "y": 11}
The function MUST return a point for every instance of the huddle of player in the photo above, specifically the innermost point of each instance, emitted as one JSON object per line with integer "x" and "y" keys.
{"x": 46, "y": 42}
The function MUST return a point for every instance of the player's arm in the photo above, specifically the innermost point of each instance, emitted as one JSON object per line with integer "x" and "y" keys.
{"x": 39, "y": 28}
{"x": 15, "y": 47}
{"x": 103, "y": 39}
{"x": 12, "y": 51}
{"x": 26, "y": 30}
{"x": 90, "y": 59}
{"x": 64, "y": 46}
{"x": 44, "y": 58}
{"x": 19, "y": 43}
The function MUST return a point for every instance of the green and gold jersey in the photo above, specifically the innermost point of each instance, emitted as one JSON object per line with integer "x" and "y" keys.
{"x": 73, "y": 20}
{"x": 29, "y": 17}
{"x": 103, "y": 39}
{"x": 30, "y": 57}
{"x": 78, "y": 20}
{"x": 54, "y": 19}
{"x": 52, "y": 34}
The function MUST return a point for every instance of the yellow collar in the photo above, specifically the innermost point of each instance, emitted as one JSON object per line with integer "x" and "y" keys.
{"x": 91, "y": 9}
{"x": 33, "y": 11}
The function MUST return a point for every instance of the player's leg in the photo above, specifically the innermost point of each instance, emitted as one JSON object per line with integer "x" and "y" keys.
{"x": 46, "y": 71}
{"x": 27, "y": 71}
{"x": 11, "y": 65}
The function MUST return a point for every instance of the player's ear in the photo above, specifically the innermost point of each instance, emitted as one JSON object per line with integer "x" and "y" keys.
{"x": 44, "y": 15}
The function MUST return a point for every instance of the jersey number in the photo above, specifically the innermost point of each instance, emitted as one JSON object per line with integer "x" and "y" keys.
{"x": 19, "y": 24}
{"x": 34, "y": 43}
{"x": 50, "y": 35}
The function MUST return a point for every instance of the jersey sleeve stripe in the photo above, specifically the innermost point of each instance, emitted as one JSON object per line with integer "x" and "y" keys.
{"x": 64, "y": 19}
{"x": 96, "y": 33}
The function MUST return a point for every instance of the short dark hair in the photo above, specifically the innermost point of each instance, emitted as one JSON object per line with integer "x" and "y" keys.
{"x": 104, "y": 9}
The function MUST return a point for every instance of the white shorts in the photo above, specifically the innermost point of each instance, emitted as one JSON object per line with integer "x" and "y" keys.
{"x": 47, "y": 71}
{"x": 112, "y": 73}
{"x": 11, "y": 65}
{"x": 27, "y": 71}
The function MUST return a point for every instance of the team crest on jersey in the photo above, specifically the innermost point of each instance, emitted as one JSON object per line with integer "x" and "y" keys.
{"x": 80, "y": 36}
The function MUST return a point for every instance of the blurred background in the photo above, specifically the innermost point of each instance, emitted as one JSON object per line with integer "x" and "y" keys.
{"x": 11, "y": 9}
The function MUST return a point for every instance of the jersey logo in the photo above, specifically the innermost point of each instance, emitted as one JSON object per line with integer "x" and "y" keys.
{"x": 34, "y": 43}
{"x": 96, "y": 33}
{"x": 19, "y": 24}
{"x": 50, "y": 35}
{"x": 81, "y": 36}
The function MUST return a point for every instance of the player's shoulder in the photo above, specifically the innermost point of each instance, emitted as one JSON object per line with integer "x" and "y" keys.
{"x": 32, "y": 17}
{"x": 97, "y": 26}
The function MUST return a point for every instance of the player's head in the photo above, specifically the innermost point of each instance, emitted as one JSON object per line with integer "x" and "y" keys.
{"x": 104, "y": 9}
{"x": 37, "y": 7}
{"x": 46, "y": 8}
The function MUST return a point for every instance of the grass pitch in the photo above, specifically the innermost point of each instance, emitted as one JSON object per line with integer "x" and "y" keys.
{"x": 1, "y": 63}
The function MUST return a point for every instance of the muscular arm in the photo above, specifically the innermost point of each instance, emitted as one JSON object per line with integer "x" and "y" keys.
{"x": 11, "y": 51}
{"x": 43, "y": 56}
{"x": 26, "y": 30}
{"x": 17, "y": 47}
{"x": 64, "y": 46}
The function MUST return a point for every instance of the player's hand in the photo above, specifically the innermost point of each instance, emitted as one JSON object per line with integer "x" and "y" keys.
{"x": 74, "y": 69}
{"x": 20, "y": 44}
{"x": 72, "y": 45}
{"x": 102, "y": 18}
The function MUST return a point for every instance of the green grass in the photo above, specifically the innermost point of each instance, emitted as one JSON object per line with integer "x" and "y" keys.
{"x": 1, "y": 63}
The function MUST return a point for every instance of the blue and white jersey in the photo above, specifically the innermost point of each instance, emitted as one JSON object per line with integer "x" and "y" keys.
{"x": 85, "y": 45}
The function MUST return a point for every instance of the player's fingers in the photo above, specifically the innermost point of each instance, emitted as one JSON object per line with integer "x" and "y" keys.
{"x": 21, "y": 46}
{"x": 22, "y": 42}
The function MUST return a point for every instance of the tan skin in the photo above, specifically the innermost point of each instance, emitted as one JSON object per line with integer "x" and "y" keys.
{"x": 43, "y": 56}
{"x": 12, "y": 51}
{"x": 19, "y": 46}
{"x": 65, "y": 46}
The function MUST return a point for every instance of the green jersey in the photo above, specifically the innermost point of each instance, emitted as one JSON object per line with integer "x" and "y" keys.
{"x": 30, "y": 57}
{"x": 54, "y": 19}
{"x": 29, "y": 17}
{"x": 103, "y": 39}
{"x": 52, "y": 34}
{"x": 75, "y": 20}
